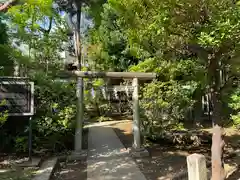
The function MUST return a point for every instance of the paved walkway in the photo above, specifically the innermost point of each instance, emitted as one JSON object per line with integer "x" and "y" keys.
{"x": 106, "y": 160}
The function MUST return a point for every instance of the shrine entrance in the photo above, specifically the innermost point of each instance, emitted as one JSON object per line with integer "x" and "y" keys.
{"x": 109, "y": 100}
{"x": 136, "y": 77}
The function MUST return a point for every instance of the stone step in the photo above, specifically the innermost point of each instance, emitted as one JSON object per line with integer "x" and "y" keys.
{"x": 46, "y": 170}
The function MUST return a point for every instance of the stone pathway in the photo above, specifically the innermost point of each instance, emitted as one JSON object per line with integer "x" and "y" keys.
{"x": 107, "y": 159}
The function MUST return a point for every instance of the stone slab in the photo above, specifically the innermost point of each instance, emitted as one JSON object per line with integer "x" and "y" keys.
{"x": 137, "y": 153}
{"x": 46, "y": 170}
{"x": 74, "y": 156}
{"x": 77, "y": 156}
{"x": 35, "y": 162}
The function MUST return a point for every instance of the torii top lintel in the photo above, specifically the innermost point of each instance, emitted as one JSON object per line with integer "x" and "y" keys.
{"x": 113, "y": 75}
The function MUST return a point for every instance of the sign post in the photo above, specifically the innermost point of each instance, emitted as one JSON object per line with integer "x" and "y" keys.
{"x": 30, "y": 139}
{"x": 18, "y": 93}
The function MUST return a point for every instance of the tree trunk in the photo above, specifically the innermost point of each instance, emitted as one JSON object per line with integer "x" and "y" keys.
{"x": 216, "y": 108}
{"x": 215, "y": 86}
{"x": 217, "y": 141}
{"x": 217, "y": 154}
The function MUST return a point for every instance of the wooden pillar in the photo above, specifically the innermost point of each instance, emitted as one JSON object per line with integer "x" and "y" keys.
{"x": 136, "y": 116}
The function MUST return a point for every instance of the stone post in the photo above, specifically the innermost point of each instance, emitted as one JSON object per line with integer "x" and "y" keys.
{"x": 79, "y": 86}
{"x": 136, "y": 118}
{"x": 137, "y": 150}
{"x": 196, "y": 164}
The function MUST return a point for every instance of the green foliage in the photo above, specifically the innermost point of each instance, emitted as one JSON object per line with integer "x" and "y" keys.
{"x": 54, "y": 121}
{"x": 109, "y": 48}
{"x": 21, "y": 144}
{"x": 38, "y": 26}
{"x": 94, "y": 10}
{"x": 3, "y": 30}
{"x": 164, "y": 105}
{"x": 3, "y": 114}
{"x": 235, "y": 105}
{"x": 166, "y": 102}
{"x": 43, "y": 30}
{"x": 185, "y": 42}
{"x": 6, "y": 63}
{"x": 94, "y": 102}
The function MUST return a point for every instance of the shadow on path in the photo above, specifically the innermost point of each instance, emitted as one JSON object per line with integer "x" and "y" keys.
{"x": 108, "y": 158}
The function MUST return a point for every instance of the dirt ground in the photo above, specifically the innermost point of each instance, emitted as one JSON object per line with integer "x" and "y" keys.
{"x": 167, "y": 162}
{"x": 73, "y": 170}
{"x": 24, "y": 174}
{"x": 10, "y": 171}
{"x": 67, "y": 171}
{"x": 164, "y": 163}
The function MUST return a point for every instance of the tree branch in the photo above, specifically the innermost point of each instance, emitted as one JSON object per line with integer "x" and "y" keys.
{"x": 6, "y": 5}
{"x": 47, "y": 31}
{"x": 50, "y": 25}
{"x": 229, "y": 83}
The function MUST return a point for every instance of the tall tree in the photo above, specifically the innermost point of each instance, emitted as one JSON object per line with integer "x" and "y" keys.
{"x": 174, "y": 30}
{"x": 108, "y": 47}
{"x": 6, "y": 63}
{"x": 43, "y": 30}
{"x": 167, "y": 33}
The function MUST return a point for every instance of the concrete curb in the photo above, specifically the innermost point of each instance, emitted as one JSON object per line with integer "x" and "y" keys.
{"x": 50, "y": 165}
{"x": 46, "y": 170}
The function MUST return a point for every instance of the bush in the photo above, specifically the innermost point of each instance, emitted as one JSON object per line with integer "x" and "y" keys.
{"x": 3, "y": 113}
{"x": 54, "y": 122}
{"x": 235, "y": 105}
{"x": 163, "y": 105}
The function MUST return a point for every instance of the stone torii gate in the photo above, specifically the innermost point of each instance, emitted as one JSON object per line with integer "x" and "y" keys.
{"x": 135, "y": 76}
